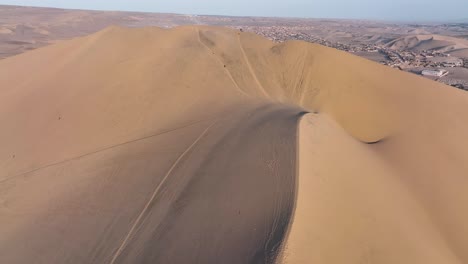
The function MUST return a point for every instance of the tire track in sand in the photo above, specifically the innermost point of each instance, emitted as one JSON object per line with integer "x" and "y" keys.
{"x": 249, "y": 66}
{"x": 155, "y": 192}
{"x": 228, "y": 73}
{"x": 103, "y": 149}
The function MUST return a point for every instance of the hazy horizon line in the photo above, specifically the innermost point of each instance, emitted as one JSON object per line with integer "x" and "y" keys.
{"x": 406, "y": 21}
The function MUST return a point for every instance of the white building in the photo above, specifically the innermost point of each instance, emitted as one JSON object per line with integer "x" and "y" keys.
{"x": 434, "y": 73}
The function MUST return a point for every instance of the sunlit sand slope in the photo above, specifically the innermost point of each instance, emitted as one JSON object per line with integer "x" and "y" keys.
{"x": 192, "y": 145}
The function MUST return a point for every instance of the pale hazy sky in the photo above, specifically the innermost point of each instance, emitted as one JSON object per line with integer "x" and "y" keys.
{"x": 405, "y": 10}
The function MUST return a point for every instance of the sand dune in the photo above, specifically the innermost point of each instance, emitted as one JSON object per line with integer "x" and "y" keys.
{"x": 454, "y": 46}
{"x": 209, "y": 145}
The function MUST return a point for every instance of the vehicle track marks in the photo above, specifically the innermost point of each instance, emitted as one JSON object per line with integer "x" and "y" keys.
{"x": 155, "y": 192}
{"x": 101, "y": 150}
{"x": 252, "y": 72}
{"x": 228, "y": 73}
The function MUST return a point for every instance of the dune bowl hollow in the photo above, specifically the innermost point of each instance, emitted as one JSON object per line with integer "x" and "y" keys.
{"x": 201, "y": 144}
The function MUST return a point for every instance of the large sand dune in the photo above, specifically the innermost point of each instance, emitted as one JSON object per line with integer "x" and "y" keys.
{"x": 208, "y": 145}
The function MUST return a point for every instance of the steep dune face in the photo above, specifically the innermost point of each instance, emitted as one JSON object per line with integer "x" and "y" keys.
{"x": 182, "y": 146}
{"x": 357, "y": 205}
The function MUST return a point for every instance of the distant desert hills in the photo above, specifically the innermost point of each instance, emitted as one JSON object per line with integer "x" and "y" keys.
{"x": 209, "y": 145}
{"x": 26, "y": 28}
{"x": 454, "y": 46}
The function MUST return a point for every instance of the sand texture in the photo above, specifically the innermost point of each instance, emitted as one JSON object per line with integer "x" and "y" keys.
{"x": 208, "y": 145}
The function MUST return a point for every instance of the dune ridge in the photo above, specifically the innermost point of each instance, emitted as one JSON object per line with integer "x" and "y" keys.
{"x": 208, "y": 145}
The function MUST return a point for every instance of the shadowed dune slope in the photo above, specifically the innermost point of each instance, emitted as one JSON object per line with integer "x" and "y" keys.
{"x": 186, "y": 146}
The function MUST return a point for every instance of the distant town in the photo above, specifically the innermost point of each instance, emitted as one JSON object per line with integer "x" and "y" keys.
{"x": 430, "y": 63}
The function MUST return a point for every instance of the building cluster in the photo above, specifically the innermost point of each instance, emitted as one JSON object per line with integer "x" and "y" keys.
{"x": 279, "y": 33}
{"x": 460, "y": 84}
{"x": 425, "y": 58}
